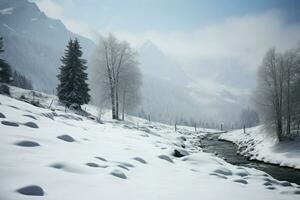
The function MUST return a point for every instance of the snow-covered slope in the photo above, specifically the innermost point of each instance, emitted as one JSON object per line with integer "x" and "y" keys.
{"x": 258, "y": 145}
{"x": 34, "y": 43}
{"x": 61, "y": 155}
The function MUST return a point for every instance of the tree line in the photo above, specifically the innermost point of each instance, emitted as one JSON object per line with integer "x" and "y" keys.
{"x": 277, "y": 96}
{"x": 114, "y": 77}
{"x": 8, "y": 76}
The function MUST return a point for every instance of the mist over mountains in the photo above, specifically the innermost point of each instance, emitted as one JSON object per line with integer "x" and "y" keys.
{"x": 34, "y": 44}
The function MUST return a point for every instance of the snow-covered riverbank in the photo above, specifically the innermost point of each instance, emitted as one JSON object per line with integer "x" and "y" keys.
{"x": 58, "y": 155}
{"x": 258, "y": 145}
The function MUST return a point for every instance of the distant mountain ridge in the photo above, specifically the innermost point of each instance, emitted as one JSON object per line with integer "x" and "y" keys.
{"x": 34, "y": 43}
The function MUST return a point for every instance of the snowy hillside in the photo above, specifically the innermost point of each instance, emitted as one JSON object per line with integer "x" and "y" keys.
{"x": 34, "y": 42}
{"x": 61, "y": 155}
{"x": 258, "y": 145}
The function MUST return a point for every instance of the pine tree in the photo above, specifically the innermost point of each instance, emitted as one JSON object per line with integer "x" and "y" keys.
{"x": 5, "y": 69}
{"x": 82, "y": 75}
{"x": 72, "y": 86}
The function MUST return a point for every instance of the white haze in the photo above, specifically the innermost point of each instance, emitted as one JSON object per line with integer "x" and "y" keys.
{"x": 220, "y": 60}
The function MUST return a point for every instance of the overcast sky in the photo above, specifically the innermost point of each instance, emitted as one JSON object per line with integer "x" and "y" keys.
{"x": 219, "y": 44}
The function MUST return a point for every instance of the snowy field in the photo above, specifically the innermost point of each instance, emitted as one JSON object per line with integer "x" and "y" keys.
{"x": 258, "y": 145}
{"x": 52, "y": 154}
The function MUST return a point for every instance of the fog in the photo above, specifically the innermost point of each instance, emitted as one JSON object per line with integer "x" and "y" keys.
{"x": 200, "y": 67}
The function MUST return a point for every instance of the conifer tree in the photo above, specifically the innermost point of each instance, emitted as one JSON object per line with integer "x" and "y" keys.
{"x": 72, "y": 86}
{"x": 5, "y": 69}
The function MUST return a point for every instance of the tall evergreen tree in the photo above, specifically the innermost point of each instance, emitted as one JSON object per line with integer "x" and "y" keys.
{"x": 72, "y": 86}
{"x": 5, "y": 69}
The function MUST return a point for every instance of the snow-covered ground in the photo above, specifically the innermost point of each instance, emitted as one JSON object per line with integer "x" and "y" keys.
{"x": 54, "y": 154}
{"x": 258, "y": 145}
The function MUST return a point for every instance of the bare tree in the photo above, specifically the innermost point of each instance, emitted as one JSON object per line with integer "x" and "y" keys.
{"x": 114, "y": 72}
{"x": 277, "y": 90}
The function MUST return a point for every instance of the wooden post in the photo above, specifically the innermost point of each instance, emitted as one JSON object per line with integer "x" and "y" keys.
{"x": 51, "y": 104}
{"x": 195, "y": 127}
{"x": 221, "y": 127}
{"x": 244, "y": 128}
{"x": 175, "y": 127}
{"x": 149, "y": 119}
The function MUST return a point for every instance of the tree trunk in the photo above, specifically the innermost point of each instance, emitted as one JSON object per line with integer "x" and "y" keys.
{"x": 298, "y": 125}
{"x": 123, "y": 107}
{"x": 112, "y": 96}
{"x": 288, "y": 122}
{"x": 111, "y": 85}
{"x": 117, "y": 103}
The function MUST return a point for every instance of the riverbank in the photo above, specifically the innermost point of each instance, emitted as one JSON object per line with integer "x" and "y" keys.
{"x": 256, "y": 144}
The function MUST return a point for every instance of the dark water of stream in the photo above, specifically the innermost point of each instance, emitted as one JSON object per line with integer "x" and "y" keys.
{"x": 228, "y": 150}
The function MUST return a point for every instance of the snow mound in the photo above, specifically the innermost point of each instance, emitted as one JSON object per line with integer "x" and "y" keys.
{"x": 118, "y": 173}
{"x": 2, "y": 115}
{"x": 100, "y": 158}
{"x": 241, "y": 181}
{"x": 31, "y": 116}
{"x": 32, "y": 190}
{"x": 91, "y": 164}
{"x": 223, "y": 171}
{"x": 66, "y": 138}
{"x": 9, "y": 123}
{"x": 27, "y": 144}
{"x": 31, "y": 125}
{"x": 139, "y": 159}
{"x": 165, "y": 157}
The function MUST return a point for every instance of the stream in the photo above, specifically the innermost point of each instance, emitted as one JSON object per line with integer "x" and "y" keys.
{"x": 227, "y": 151}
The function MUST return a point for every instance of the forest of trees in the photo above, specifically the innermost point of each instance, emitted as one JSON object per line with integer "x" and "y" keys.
{"x": 115, "y": 78}
{"x": 277, "y": 96}
{"x": 5, "y": 69}
{"x": 21, "y": 81}
{"x": 6, "y": 76}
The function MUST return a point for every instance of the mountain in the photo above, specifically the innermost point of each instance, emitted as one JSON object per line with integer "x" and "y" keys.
{"x": 156, "y": 64}
{"x": 165, "y": 95}
{"x": 34, "y": 43}
{"x": 169, "y": 94}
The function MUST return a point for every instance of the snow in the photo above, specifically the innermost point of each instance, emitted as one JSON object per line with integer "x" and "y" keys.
{"x": 73, "y": 157}
{"x": 258, "y": 145}
{"x": 7, "y": 11}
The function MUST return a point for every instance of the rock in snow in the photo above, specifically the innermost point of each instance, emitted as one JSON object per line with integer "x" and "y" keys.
{"x": 31, "y": 190}
{"x": 180, "y": 153}
{"x": 119, "y": 174}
